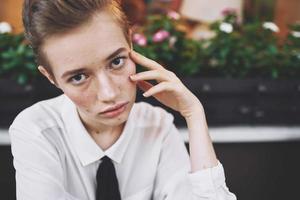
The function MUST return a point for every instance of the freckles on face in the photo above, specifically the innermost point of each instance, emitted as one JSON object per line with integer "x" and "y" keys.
{"x": 125, "y": 80}
{"x": 67, "y": 54}
{"x": 81, "y": 99}
{"x": 129, "y": 87}
{"x": 122, "y": 83}
{"x": 87, "y": 98}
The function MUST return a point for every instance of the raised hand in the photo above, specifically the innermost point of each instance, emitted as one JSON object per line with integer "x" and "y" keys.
{"x": 170, "y": 91}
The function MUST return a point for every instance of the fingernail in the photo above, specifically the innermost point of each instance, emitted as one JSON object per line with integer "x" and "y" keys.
{"x": 145, "y": 94}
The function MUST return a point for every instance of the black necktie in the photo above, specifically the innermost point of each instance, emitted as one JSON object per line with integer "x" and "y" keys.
{"x": 107, "y": 182}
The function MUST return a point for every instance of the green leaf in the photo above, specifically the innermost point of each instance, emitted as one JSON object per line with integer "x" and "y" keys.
{"x": 30, "y": 66}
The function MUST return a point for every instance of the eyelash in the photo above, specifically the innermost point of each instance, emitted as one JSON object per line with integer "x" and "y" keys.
{"x": 119, "y": 57}
{"x": 73, "y": 77}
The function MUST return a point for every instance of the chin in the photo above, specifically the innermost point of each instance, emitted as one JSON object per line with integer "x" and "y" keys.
{"x": 115, "y": 122}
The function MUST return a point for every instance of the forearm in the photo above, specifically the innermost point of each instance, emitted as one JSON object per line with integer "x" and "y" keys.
{"x": 202, "y": 154}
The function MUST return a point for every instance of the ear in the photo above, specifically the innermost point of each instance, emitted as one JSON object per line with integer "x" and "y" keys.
{"x": 47, "y": 75}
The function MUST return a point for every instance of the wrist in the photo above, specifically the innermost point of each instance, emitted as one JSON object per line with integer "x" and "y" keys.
{"x": 196, "y": 111}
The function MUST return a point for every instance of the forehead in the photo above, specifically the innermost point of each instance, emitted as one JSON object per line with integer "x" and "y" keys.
{"x": 86, "y": 44}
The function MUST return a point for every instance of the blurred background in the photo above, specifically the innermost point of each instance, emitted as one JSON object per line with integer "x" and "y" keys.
{"x": 240, "y": 57}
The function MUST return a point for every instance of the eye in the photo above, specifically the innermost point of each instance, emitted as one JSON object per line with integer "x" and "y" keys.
{"x": 118, "y": 62}
{"x": 77, "y": 79}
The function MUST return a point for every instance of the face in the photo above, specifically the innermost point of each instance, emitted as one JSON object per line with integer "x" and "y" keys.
{"x": 91, "y": 66}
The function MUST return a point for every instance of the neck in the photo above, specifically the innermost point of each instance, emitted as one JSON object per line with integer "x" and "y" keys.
{"x": 105, "y": 136}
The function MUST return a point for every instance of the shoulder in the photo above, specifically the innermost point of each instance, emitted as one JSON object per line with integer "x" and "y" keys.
{"x": 149, "y": 115}
{"x": 40, "y": 115}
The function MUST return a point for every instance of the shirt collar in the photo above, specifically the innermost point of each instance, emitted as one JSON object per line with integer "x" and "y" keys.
{"x": 85, "y": 147}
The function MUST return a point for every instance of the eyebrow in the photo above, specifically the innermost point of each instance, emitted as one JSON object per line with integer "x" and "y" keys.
{"x": 111, "y": 56}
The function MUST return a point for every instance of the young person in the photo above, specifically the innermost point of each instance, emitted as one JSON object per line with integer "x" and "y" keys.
{"x": 94, "y": 141}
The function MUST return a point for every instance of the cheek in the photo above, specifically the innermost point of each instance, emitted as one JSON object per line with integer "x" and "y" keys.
{"x": 130, "y": 71}
{"x": 131, "y": 68}
{"x": 81, "y": 99}
{"x": 123, "y": 79}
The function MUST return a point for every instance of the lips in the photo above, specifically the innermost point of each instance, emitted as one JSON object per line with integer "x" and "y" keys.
{"x": 115, "y": 110}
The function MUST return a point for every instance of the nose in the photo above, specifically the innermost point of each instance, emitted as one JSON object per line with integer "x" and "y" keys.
{"x": 108, "y": 89}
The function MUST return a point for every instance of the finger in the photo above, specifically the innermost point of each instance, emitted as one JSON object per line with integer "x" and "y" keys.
{"x": 146, "y": 62}
{"x": 144, "y": 85}
{"x": 163, "y": 86}
{"x": 157, "y": 75}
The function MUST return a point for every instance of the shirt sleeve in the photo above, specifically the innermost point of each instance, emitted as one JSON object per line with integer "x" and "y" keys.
{"x": 39, "y": 174}
{"x": 174, "y": 181}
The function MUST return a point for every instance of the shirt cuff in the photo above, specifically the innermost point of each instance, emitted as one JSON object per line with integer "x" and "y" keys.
{"x": 207, "y": 181}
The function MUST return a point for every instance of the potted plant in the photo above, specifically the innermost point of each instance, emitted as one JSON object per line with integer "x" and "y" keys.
{"x": 242, "y": 74}
{"x": 20, "y": 83}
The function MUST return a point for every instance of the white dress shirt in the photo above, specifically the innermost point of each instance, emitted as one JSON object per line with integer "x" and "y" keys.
{"x": 56, "y": 159}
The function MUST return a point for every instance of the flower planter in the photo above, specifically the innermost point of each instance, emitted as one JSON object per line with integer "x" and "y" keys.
{"x": 244, "y": 102}
{"x": 226, "y": 101}
{"x": 14, "y": 98}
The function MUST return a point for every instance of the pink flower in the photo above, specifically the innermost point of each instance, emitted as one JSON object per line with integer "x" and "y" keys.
{"x": 160, "y": 36}
{"x": 173, "y": 15}
{"x": 229, "y": 11}
{"x": 139, "y": 39}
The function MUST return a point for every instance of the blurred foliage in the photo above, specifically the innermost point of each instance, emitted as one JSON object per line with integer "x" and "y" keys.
{"x": 250, "y": 50}
{"x": 174, "y": 50}
{"x": 235, "y": 51}
{"x": 291, "y": 52}
{"x": 16, "y": 58}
